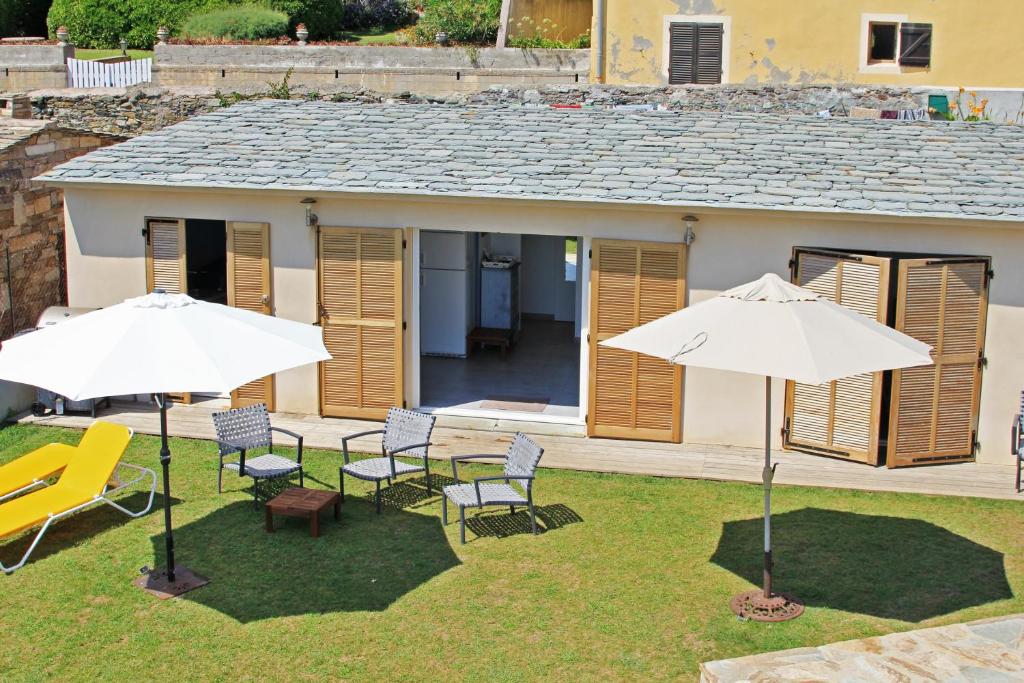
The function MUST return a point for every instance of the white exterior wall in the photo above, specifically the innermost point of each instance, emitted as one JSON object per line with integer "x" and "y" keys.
{"x": 106, "y": 263}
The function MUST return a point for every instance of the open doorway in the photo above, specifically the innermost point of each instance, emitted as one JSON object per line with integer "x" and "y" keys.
{"x": 500, "y": 324}
{"x": 206, "y": 259}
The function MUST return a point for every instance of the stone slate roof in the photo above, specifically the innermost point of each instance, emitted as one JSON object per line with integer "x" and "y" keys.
{"x": 13, "y": 131}
{"x": 750, "y": 161}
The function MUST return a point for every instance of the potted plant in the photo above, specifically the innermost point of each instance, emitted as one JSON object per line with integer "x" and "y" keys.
{"x": 302, "y": 33}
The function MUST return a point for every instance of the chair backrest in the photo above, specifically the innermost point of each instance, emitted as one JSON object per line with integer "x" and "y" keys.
{"x": 523, "y": 457}
{"x": 405, "y": 428}
{"x": 96, "y": 458}
{"x": 247, "y": 427}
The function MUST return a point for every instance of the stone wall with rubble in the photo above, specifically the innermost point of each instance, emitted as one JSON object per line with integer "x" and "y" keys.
{"x": 139, "y": 110}
{"x": 32, "y": 224}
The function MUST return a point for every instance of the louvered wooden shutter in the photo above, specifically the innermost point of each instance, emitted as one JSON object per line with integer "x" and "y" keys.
{"x": 695, "y": 53}
{"x": 165, "y": 256}
{"x": 709, "y": 54}
{"x": 840, "y": 418}
{"x": 934, "y": 411}
{"x": 249, "y": 287}
{"x": 361, "y": 312}
{"x": 633, "y": 396}
{"x": 915, "y": 44}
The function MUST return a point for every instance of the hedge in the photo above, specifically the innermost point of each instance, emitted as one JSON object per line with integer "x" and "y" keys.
{"x": 23, "y": 17}
{"x": 465, "y": 21}
{"x": 102, "y": 23}
{"x": 237, "y": 23}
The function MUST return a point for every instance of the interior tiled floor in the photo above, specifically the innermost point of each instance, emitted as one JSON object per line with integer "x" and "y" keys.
{"x": 543, "y": 367}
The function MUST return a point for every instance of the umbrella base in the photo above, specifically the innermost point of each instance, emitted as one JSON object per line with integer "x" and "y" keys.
{"x": 779, "y": 607}
{"x": 155, "y": 582}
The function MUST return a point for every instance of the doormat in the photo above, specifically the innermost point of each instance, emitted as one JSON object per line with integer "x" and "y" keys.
{"x": 527, "y": 404}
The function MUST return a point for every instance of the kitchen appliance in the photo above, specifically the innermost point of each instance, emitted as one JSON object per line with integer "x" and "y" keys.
{"x": 447, "y": 291}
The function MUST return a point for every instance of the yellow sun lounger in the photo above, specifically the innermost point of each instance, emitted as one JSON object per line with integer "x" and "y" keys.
{"x": 85, "y": 482}
{"x": 33, "y": 469}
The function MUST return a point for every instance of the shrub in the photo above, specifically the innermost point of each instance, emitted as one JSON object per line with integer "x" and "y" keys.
{"x": 465, "y": 21}
{"x": 385, "y": 14}
{"x": 239, "y": 23}
{"x": 102, "y": 23}
{"x": 23, "y": 17}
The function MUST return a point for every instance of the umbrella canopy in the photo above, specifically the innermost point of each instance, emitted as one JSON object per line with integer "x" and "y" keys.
{"x": 156, "y": 344}
{"x": 772, "y": 328}
{"x": 159, "y": 343}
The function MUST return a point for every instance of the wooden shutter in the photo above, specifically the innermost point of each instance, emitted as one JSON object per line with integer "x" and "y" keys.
{"x": 934, "y": 412}
{"x": 915, "y": 44}
{"x": 709, "y": 54}
{"x": 360, "y": 290}
{"x": 633, "y": 396}
{"x": 840, "y": 418}
{"x": 165, "y": 255}
{"x": 695, "y": 53}
{"x": 249, "y": 288}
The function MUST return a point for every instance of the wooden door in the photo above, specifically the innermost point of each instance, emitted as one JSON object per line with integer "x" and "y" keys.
{"x": 360, "y": 292}
{"x": 633, "y": 396}
{"x": 165, "y": 255}
{"x": 840, "y": 418}
{"x": 934, "y": 410}
{"x": 249, "y": 287}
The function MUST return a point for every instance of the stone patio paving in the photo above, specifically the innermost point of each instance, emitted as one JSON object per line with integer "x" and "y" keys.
{"x": 987, "y": 651}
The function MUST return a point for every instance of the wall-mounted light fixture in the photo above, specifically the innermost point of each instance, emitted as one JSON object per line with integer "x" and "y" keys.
{"x": 689, "y": 236}
{"x": 311, "y": 218}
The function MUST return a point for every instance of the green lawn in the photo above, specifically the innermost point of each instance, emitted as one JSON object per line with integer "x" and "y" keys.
{"x": 100, "y": 54}
{"x": 630, "y": 581}
{"x": 376, "y": 36}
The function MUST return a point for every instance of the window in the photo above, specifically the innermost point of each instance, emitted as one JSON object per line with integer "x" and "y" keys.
{"x": 889, "y": 43}
{"x": 695, "y": 53}
{"x": 882, "y": 45}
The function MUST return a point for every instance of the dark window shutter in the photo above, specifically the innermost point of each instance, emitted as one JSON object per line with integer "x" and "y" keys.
{"x": 916, "y": 44}
{"x": 695, "y": 53}
{"x": 709, "y": 53}
{"x": 682, "y": 54}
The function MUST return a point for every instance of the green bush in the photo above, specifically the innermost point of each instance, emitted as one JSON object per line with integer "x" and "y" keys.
{"x": 23, "y": 17}
{"x": 237, "y": 23}
{"x": 546, "y": 34}
{"x": 102, "y": 23}
{"x": 465, "y": 21}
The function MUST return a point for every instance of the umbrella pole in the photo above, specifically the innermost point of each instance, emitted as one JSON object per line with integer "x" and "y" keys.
{"x": 165, "y": 463}
{"x": 764, "y": 604}
{"x": 172, "y": 581}
{"x": 766, "y": 475}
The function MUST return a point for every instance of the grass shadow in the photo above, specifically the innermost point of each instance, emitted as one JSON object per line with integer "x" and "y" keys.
{"x": 365, "y": 562}
{"x": 502, "y": 524}
{"x": 889, "y": 567}
{"x": 412, "y": 493}
{"x": 80, "y": 527}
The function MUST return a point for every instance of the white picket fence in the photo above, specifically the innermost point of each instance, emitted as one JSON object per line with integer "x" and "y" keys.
{"x": 83, "y": 73}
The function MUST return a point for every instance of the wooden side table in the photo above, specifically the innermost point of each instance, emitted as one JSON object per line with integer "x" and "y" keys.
{"x": 299, "y": 502}
{"x": 490, "y": 336}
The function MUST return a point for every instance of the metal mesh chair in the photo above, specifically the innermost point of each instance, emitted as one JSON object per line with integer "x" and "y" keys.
{"x": 520, "y": 465}
{"x": 406, "y": 433}
{"x": 241, "y": 430}
{"x": 1017, "y": 442}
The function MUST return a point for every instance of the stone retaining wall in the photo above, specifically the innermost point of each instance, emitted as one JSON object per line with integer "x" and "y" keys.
{"x": 30, "y": 67}
{"x": 138, "y": 110}
{"x": 434, "y": 71}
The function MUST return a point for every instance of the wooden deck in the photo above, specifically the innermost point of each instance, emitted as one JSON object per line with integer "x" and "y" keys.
{"x": 694, "y": 461}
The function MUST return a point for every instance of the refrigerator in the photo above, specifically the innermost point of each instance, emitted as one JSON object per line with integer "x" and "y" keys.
{"x": 447, "y": 291}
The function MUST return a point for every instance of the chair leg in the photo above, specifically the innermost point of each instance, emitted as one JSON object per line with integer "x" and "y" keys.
{"x": 220, "y": 477}
{"x": 378, "y": 496}
{"x": 426, "y": 468}
{"x": 256, "y": 494}
{"x": 462, "y": 524}
{"x": 1019, "y": 461}
{"x": 444, "y": 510}
{"x": 533, "y": 518}
{"x": 301, "y": 479}
{"x": 341, "y": 484}
{"x": 512, "y": 509}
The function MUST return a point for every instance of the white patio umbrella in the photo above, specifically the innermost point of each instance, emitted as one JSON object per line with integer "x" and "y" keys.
{"x": 772, "y": 328}
{"x": 156, "y": 344}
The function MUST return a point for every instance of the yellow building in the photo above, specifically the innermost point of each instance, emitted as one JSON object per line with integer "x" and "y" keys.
{"x": 944, "y": 43}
